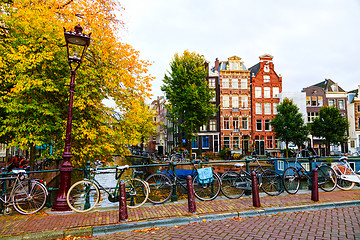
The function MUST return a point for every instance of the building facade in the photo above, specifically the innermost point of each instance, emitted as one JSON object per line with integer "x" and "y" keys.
{"x": 266, "y": 86}
{"x": 235, "y": 106}
{"x": 326, "y": 93}
{"x": 353, "y": 108}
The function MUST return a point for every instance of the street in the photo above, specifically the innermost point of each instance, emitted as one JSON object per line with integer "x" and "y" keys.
{"x": 337, "y": 223}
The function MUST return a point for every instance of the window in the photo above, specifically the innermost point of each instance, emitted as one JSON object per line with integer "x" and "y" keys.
{"x": 244, "y": 123}
{"x": 236, "y": 143}
{"x": 352, "y": 143}
{"x": 236, "y": 123}
{"x": 276, "y": 91}
{"x": 266, "y": 78}
{"x": 258, "y": 125}
{"x": 212, "y": 125}
{"x": 212, "y": 82}
{"x": 234, "y": 66}
{"x": 258, "y": 92}
{"x": 269, "y": 142}
{"x": 226, "y": 142}
{"x": 281, "y": 165}
{"x": 258, "y": 108}
{"x": 235, "y": 83}
{"x": 341, "y": 104}
{"x": 308, "y": 100}
{"x": 267, "y": 125}
{"x": 194, "y": 143}
{"x": 267, "y": 92}
{"x": 244, "y": 101}
{"x": 226, "y": 101}
{"x": 320, "y": 101}
{"x": 244, "y": 83}
{"x": 331, "y": 102}
{"x": 275, "y": 108}
{"x": 225, "y": 83}
{"x": 235, "y": 101}
{"x": 313, "y": 101}
{"x": 358, "y": 123}
{"x": 203, "y": 128}
{"x": 358, "y": 108}
{"x": 306, "y": 166}
{"x": 312, "y": 115}
{"x": 226, "y": 123}
{"x": 267, "y": 108}
{"x": 205, "y": 141}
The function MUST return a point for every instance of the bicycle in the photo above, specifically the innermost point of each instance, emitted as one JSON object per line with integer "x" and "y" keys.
{"x": 346, "y": 176}
{"x": 162, "y": 185}
{"x": 234, "y": 183}
{"x": 292, "y": 176}
{"x": 84, "y": 195}
{"x": 27, "y": 196}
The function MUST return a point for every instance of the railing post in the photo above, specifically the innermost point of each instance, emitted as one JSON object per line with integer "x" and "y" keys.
{"x": 191, "y": 195}
{"x": 123, "y": 215}
{"x": 315, "y": 187}
{"x": 174, "y": 197}
{"x": 255, "y": 190}
{"x": 87, "y": 170}
{"x": 310, "y": 169}
{"x": 247, "y": 168}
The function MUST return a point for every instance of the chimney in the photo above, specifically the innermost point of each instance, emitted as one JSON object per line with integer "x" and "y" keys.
{"x": 216, "y": 64}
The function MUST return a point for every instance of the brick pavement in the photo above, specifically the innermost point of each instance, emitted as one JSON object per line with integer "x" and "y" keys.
{"x": 44, "y": 222}
{"x": 337, "y": 223}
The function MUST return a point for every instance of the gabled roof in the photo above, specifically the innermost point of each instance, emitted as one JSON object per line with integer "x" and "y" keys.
{"x": 329, "y": 86}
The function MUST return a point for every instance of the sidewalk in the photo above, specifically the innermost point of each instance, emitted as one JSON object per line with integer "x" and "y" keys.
{"x": 55, "y": 225}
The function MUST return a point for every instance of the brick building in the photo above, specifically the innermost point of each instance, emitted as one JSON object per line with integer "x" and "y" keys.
{"x": 235, "y": 113}
{"x": 266, "y": 85}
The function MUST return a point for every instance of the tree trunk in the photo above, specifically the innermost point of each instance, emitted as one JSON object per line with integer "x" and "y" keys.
{"x": 190, "y": 148}
{"x": 7, "y": 151}
{"x": 287, "y": 150}
{"x": 32, "y": 155}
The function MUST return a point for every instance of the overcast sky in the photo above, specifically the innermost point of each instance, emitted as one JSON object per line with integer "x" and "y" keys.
{"x": 310, "y": 39}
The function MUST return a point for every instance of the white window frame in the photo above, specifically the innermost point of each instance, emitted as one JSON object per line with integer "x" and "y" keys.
{"x": 276, "y": 91}
{"x": 244, "y": 84}
{"x": 258, "y": 108}
{"x": 267, "y": 108}
{"x": 267, "y": 92}
{"x": 226, "y": 101}
{"x": 235, "y": 101}
{"x": 258, "y": 92}
{"x": 225, "y": 83}
{"x": 235, "y": 83}
{"x": 266, "y": 78}
{"x": 244, "y": 101}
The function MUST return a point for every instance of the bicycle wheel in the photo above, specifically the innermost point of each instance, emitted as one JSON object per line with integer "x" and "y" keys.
{"x": 341, "y": 183}
{"x": 207, "y": 191}
{"x": 291, "y": 180}
{"x": 137, "y": 192}
{"x": 271, "y": 182}
{"x": 161, "y": 188}
{"x": 232, "y": 185}
{"x": 327, "y": 179}
{"x": 29, "y": 197}
{"x": 83, "y": 196}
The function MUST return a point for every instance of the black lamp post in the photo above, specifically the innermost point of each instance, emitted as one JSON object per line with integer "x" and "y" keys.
{"x": 76, "y": 44}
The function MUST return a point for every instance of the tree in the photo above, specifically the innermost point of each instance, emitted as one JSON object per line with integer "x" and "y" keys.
{"x": 188, "y": 93}
{"x": 33, "y": 61}
{"x": 331, "y": 126}
{"x": 288, "y": 124}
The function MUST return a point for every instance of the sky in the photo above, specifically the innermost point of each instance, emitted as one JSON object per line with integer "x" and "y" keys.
{"x": 310, "y": 40}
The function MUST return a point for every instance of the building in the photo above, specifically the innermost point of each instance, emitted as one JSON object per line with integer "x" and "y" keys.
{"x": 326, "y": 93}
{"x": 353, "y": 108}
{"x": 266, "y": 85}
{"x": 159, "y": 142}
{"x": 235, "y": 105}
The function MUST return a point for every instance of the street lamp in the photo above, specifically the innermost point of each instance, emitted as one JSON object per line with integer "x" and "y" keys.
{"x": 76, "y": 45}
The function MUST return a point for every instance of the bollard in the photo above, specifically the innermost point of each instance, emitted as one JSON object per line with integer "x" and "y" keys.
{"x": 255, "y": 190}
{"x": 123, "y": 215}
{"x": 315, "y": 187}
{"x": 191, "y": 195}
{"x": 247, "y": 168}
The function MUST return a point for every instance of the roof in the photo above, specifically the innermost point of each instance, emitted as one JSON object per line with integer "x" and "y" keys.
{"x": 329, "y": 86}
{"x": 254, "y": 69}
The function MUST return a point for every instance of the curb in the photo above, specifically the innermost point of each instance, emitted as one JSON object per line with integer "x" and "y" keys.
{"x": 126, "y": 227}
{"x": 187, "y": 220}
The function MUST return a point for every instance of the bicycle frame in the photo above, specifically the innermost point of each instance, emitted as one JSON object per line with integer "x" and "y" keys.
{"x": 353, "y": 177}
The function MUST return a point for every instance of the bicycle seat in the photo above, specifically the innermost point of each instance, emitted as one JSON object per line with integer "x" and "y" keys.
{"x": 17, "y": 171}
{"x": 239, "y": 164}
{"x": 122, "y": 167}
{"x": 343, "y": 159}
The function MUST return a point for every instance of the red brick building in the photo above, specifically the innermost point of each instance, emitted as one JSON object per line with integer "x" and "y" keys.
{"x": 266, "y": 85}
{"x": 235, "y": 113}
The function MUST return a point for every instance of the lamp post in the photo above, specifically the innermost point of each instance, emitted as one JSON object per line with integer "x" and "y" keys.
{"x": 76, "y": 44}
